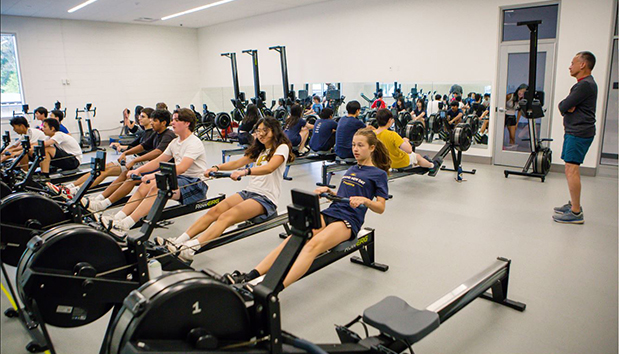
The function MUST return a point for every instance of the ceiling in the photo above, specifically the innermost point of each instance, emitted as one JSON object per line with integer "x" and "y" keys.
{"x": 129, "y": 11}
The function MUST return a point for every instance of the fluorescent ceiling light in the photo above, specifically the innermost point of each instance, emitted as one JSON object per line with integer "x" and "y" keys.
{"x": 200, "y": 8}
{"x": 81, "y": 5}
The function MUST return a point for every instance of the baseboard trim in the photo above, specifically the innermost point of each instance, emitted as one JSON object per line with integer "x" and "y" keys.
{"x": 584, "y": 171}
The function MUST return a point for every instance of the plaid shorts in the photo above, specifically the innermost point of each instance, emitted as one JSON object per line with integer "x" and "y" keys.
{"x": 194, "y": 192}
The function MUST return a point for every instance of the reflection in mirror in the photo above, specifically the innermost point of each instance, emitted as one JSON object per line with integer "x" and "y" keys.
{"x": 427, "y": 102}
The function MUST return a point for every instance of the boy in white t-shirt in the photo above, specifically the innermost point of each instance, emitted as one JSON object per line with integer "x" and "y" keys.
{"x": 20, "y": 126}
{"x": 269, "y": 152}
{"x": 61, "y": 150}
{"x": 190, "y": 159}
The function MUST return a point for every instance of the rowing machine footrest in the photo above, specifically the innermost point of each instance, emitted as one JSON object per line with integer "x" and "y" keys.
{"x": 393, "y": 316}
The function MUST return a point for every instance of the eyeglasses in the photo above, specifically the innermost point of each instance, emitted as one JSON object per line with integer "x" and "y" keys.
{"x": 262, "y": 131}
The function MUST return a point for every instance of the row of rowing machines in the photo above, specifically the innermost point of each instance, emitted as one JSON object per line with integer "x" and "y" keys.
{"x": 72, "y": 271}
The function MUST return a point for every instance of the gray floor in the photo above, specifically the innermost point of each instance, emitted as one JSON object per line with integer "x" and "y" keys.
{"x": 434, "y": 234}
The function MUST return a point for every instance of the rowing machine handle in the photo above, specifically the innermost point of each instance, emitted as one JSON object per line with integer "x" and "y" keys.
{"x": 137, "y": 178}
{"x": 221, "y": 175}
{"x": 338, "y": 199}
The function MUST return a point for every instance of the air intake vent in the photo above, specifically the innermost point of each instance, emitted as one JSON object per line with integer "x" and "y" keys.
{"x": 145, "y": 19}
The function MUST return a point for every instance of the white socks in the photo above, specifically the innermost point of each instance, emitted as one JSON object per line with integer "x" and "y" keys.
{"x": 120, "y": 216}
{"x": 105, "y": 203}
{"x": 127, "y": 222}
{"x": 192, "y": 245}
{"x": 100, "y": 197}
{"x": 182, "y": 238}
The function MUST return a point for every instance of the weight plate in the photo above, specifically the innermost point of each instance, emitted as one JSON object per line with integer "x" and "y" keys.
{"x": 19, "y": 213}
{"x": 174, "y": 305}
{"x": 62, "y": 249}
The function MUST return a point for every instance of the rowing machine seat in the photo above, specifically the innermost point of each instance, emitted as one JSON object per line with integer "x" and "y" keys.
{"x": 393, "y": 316}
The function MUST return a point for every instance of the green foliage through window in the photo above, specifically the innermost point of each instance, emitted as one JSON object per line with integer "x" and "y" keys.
{"x": 11, "y": 88}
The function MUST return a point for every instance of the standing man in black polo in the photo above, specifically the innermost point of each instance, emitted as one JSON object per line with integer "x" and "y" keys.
{"x": 578, "y": 110}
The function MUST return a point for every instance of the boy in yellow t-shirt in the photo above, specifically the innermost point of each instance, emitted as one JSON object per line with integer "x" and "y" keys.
{"x": 400, "y": 149}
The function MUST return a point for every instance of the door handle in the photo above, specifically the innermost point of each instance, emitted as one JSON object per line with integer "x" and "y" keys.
{"x": 500, "y": 109}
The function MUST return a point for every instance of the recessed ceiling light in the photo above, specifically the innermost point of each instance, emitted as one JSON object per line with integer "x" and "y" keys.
{"x": 197, "y": 9}
{"x": 81, "y": 5}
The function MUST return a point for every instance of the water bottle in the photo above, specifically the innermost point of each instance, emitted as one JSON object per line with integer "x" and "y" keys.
{"x": 154, "y": 269}
{"x": 459, "y": 178}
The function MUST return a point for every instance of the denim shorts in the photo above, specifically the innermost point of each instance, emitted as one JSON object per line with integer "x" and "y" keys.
{"x": 575, "y": 148}
{"x": 267, "y": 204}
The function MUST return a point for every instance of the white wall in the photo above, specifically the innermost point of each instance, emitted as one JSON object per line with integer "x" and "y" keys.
{"x": 113, "y": 66}
{"x": 404, "y": 41}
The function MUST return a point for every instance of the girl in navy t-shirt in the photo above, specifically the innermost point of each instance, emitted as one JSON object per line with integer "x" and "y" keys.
{"x": 365, "y": 184}
{"x": 297, "y": 129}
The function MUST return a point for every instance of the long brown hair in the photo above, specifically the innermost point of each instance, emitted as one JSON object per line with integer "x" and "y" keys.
{"x": 278, "y": 138}
{"x": 380, "y": 155}
{"x": 295, "y": 116}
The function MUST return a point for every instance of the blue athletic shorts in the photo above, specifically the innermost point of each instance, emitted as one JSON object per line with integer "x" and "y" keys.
{"x": 267, "y": 204}
{"x": 575, "y": 148}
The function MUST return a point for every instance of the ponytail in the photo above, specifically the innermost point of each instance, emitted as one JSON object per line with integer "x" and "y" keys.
{"x": 380, "y": 156}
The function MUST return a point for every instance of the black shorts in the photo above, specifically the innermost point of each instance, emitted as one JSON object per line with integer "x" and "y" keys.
{"x": 64, "y": 161}
{"x": 510, "y": 120}
{"x": 330, "y": 220}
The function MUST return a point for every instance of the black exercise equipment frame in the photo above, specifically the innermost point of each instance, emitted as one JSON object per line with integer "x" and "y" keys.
{"x": 265, "y": 313}
{"x": 107, "y": 290}
{"x": 89, "y": 142}
{"x": 531, "y": 109}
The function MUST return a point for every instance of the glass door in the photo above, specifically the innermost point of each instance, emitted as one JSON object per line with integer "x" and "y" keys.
{"x": 511, "y": 145}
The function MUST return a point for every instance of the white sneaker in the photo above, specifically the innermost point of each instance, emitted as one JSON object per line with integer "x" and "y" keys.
{"x": 186, "y": 253}
{"x": 164, "y": 241}
{"x": 106, "y": 220}
{"x": 95, "y": 205}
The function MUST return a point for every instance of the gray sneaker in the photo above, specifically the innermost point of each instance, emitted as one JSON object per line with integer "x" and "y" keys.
{"x": 564, "y": 208}
{"x": 570, "y": 218}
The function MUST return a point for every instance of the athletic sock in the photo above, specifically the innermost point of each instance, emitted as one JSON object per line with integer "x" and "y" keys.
{"x": 105, "y": 203}
{"x": 182, "y": 238}
{"x": 127, "y": 222}
{"x": 253, "y": 274}
{"x": 100, "y": 197}
{"x": 120, "y": 216}
{"x": 192, "y": 245}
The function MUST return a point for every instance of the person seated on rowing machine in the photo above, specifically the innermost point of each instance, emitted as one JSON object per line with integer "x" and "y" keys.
{"x": 419, "y": 113}
{"x": 433, "y": 107}
{"x": 399, "y": 105}
{"x": 361, "y": 184}
{"x": 297, "y": 129}
{"x": 136, "y": 127}
{"x": 323, "y": 137}
{"x": 379, "y": 102}
{"x": 61, "y": 150}
{"x": 247, "y": 125}
{"x": 317, "y": 106}
{"x": 270, "y": 152}
{"x": 400, "y": 149}
{"x": 189, "y": 156}
{"x": 454, "y": 115}
{"x": 59, "y": 116}
{"x": 148, "y": 150}
{"x": 40, "y": 114}
{"x": 346, "y": 128}
{"x": 112, "y": 168}
{"x": 20, "y": 126}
